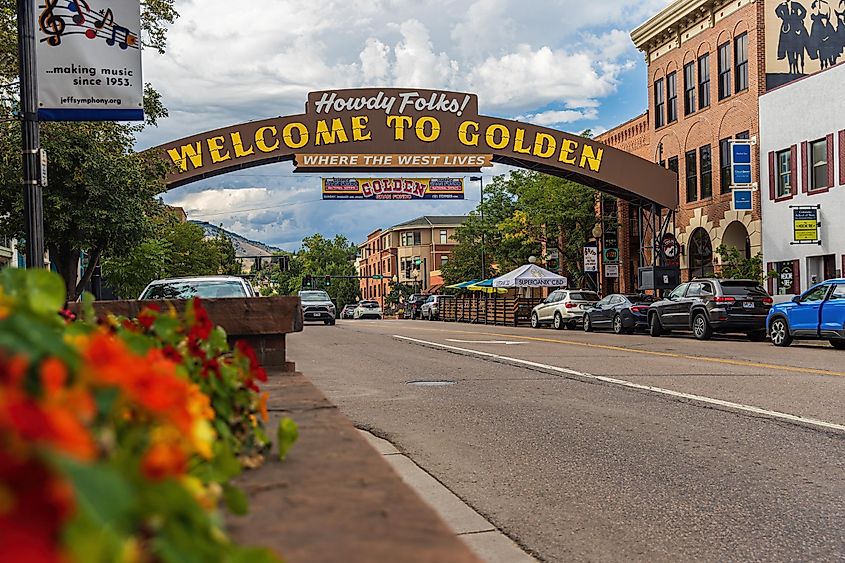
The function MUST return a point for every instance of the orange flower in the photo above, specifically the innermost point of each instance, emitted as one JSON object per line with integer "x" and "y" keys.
{"x": 163, "y": 460}
{"x": 53, "y": 375}
{"x": 262, "y": 406}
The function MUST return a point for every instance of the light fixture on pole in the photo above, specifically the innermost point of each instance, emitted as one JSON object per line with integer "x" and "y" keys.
{"x": 480, "y": 180}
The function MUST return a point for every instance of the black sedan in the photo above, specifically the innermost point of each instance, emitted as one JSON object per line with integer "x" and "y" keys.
{"x": 623, "y": 314}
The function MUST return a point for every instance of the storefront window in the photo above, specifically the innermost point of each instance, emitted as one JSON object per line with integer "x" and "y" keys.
{"x": 784, "y": 280}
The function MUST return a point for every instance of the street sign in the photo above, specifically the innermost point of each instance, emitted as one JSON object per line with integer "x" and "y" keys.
{"x": 741, "y": 163}
{"x": 591, "y": 258}
{"x": 42, "y": 153}
{"x": 805, "y": 223}
{"x": 378, "y": 277}
{"x": 611, "y": 270}
{"x": 742, "y": 200}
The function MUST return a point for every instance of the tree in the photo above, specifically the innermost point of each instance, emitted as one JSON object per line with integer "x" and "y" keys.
{"x": 177, "y": 250}
{"x": 737, "y": 266}
{"x": 320, "y": 257}
{"x": 101, "y": 193}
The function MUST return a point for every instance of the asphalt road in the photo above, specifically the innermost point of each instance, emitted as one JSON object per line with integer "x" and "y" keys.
{"x": 595, "y": 447}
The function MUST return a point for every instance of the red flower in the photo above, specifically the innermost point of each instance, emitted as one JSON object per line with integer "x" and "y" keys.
{"x": 202, "y": 326}
{"x": 162, "y": 461}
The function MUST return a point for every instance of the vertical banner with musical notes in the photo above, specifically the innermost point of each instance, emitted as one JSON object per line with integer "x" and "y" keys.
{"x": 89, "y": 60}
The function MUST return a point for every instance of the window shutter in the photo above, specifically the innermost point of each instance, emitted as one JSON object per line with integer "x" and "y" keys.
{"x": 771, "y": 268}
{"x": 772, "y": 185}
{"x": 805, "y": 177}
{"x": 793, "y": 167}
{"x": 842, "y": 163}
{"x": 796, "y": 277}
{"x": 830, "y": 162}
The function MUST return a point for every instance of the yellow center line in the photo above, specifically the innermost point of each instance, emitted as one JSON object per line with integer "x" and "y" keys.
{"x": 741, "y": 363}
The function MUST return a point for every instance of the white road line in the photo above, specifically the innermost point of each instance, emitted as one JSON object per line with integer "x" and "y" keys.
{"x": 505, "y": 342}
{"x": 628, "y": 384}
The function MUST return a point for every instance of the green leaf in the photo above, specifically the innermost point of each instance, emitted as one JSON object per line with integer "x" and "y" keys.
{"x": 236, "y": 500}
{"x": 42, "y": 291}
{"x": 102, "y": 492}
{"x": 252, "y": 555}
{"x": 286, "y": 435}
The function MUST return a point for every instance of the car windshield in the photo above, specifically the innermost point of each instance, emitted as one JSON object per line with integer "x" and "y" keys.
{"x": 583, "y": 296}
{"x": 186, "y": 289}
{"x": 743, "y": 289}
{"x": 314, "y": 296}
{"x": 640, "y": 298}
{"x": 368, "y": 304}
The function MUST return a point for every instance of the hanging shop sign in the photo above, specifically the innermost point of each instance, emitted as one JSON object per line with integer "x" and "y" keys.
{"x": 393, "y": 130}
{"x": 805, "y": 224}
{"x": 591, "y": 258}
{"x": 670, "y": 249}
{"x": 742, "y": 200}
{"x": 741, "y": 163}
{"x": 88, "y": 57}
{"x": 393, "y": 188}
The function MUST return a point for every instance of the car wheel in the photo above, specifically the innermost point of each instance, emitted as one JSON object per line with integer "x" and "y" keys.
{"x": 332, "y": 322}
{"x": 757, "y": 335}
{"x": 588, "y": 324}
{"x": 558, "y": 322}
{"x": 326, "y": 323}
{"x": 779, "y": 333}
{"x": 838, "y": 344}
{"x": 655, "y": 327}
{"x": 617, "y": 325}
{"x": 701, "y": 328}
{"x": 535, "y": 320}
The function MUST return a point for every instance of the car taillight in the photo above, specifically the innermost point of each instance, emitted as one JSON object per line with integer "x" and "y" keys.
{"x": 639, "y": 309}
{"x": 721, "y": 299}
{"x": 570, "y": 305}
{"x": 768, "y": 301}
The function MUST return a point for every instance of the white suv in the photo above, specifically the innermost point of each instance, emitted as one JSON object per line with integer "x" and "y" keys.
{"x": 564, "y": 308}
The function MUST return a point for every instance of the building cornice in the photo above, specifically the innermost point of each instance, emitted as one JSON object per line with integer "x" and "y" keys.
{"x": 669, "y": 22}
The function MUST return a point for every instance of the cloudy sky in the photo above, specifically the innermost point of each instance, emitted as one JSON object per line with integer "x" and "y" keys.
{"x": 566, "y": 64}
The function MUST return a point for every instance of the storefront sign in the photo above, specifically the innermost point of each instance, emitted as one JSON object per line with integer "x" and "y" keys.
{"x": 553, "y": 259}
{"x": 669, "y": 249}
{"x": 611, "y": 255}
{"x": 611, "y": 270}
{"x": 805, "y": 221}
{"x": 785, "y": 276}
{"x": 89, "y": 60}
{"x": 591, "y": 258}
{"x": 393, "y": 188}
{"x": 741, "y": 163}
{"x": 393, "y": 130}
{"x": 742, "y": 200}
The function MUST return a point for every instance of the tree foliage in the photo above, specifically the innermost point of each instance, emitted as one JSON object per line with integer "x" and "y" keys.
{"x": 736, "y": 266}
{"x": 101, "y": 194}
{"x": 523, "y": 212}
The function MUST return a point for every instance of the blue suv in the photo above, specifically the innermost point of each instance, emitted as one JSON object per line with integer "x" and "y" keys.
{"x": 817, "y": 314}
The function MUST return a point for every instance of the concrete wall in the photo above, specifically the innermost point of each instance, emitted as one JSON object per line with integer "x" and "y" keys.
{"x": 801, "y": 112}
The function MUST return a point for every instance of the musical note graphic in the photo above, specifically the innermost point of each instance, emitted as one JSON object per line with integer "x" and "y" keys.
{"x": 51, "y": 24}
{"x": 74, "y": 6}
{"x": 114, "y": 31}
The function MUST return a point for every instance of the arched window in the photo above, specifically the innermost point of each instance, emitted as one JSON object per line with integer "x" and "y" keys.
{"x": 700, "y": 254}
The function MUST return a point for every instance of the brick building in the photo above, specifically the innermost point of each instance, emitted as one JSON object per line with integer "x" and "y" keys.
{"x": 413, "y": 252}
{"x": 706, "y": 73}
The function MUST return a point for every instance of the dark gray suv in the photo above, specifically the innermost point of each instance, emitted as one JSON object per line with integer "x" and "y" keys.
{"x": 710, "y": 305}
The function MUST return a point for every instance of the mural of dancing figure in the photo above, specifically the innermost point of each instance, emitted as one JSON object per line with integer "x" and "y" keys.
{"x": 840, "y": 28}
{"x": 793, "y": 35}
{"x": 823, "y": 45}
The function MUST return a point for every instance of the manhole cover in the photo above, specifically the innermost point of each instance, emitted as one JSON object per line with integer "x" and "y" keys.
{"x": 432, "y": 383}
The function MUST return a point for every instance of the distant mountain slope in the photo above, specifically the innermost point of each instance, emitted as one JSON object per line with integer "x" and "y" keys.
{"x": 243, "y": 246}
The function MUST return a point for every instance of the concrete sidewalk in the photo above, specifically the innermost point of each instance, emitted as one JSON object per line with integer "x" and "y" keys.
{"x": 488, "y": 543}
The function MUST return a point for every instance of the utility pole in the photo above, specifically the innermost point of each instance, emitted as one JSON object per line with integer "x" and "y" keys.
{"x": 480, "y": 180}
{"x": 33, "y": 206}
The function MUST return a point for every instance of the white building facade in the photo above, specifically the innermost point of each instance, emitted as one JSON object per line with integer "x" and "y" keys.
{"x": 802, "y": 149}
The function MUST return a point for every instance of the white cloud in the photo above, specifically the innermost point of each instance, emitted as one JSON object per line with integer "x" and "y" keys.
{"x": 556, "y": 117}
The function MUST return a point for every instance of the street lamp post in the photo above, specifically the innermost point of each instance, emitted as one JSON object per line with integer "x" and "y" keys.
{"x": 480, "y": 180}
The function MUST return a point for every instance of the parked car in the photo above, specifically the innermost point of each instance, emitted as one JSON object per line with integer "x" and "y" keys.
{"x": 206, "y": 287}
{"x": 413, "y": 304}
{"x": 348, "y": 311}
{"x": 367, "y": 310}
{"x": 563, "y": 308}
{"x": 621, "y": 313}
{"x": 430, "y": 309}
{"x": 710, "y": 305}
{"x": 317, "y": 306}
{"x": 819, "y": 314}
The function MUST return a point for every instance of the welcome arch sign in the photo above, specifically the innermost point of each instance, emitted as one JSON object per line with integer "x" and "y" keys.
{"x": 401, "y": 130}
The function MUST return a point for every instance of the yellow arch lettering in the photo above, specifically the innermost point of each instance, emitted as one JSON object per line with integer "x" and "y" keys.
{"x": 491, "y": 136}
{"x": 337, "y": 134}
{"x": 215, "y": 147}
{"x": 183, "y": 154}
{"x": 435, "y": 129}
{"x": 591, "y": 158}
{"x": 467, "y": 138}
{"x": 544, "y": 145}
{"x": 399, "y": 124}
{"x": 519, "y": 142}
{"x": 238, "y": 143}
{"x": 287, "y": 135}
{"x": 567, "y": 152}
{"x": 261, "y": 139}
{"x": 359, "y": 128}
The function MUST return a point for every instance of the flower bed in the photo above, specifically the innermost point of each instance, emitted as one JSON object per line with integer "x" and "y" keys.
{"x": 119, "y": 440}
